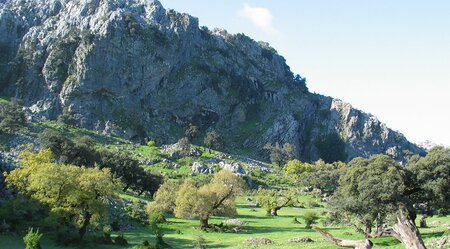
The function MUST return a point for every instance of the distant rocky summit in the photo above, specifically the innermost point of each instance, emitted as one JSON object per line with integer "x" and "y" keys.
{"x": 134, "y": 69}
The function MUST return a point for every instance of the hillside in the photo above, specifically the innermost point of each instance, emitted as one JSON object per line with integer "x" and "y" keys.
{"x": 136, "y": 70}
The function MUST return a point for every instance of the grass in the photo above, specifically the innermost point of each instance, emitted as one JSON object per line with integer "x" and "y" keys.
{"x": 181, "y": 233}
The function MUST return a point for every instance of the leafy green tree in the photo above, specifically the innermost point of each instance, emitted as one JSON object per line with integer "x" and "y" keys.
{"x": 310, "y": 219}
{"x": 370, "y": 193}
{"x": 184, "y": 146}
{"x": 213, "y": 140}
{"x": 273, "y": 199}
{"x": 378, "y": 179}
{"x": 323, "y": 176}
{"x": 164, "y": 198}
{"x": 432, "y": 174}
{"x": 77, "y": 195}
{"x": 280, "y": 155}
{"x": 296, "y": 168}
{"x": 128, "y": 169}
{"x": 214, "y": 198}
{"x": 12, "y": 117}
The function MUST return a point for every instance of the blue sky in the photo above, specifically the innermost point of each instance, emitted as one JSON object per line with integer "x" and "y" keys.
{"x": 388, "y": 58}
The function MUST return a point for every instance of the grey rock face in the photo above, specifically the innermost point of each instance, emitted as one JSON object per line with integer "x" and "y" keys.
{"x": 200, "y": 168}
{"x": 134, "y": 69}
{"x": 235, "y": 168}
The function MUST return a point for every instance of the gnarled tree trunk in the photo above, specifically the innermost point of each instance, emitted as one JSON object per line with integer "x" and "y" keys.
{"x": 86, "y": 221}
{"x": 204, "y": 222}
{"x": 274, "y": 211}
{"x": 405, "y": 231}
{"x": 357, "y": 244}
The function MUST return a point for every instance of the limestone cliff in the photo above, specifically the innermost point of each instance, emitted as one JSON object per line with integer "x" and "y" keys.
{"x": 134, "y": 69}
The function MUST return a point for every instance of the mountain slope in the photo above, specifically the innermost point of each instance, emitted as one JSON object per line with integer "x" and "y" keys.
{"x": 134, "y": 69}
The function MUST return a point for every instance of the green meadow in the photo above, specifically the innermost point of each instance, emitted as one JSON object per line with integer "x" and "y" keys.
{"x": 181, "y": 233}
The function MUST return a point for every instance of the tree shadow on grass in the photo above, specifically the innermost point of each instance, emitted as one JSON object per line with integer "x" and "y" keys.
{"x": 431, "y": 235}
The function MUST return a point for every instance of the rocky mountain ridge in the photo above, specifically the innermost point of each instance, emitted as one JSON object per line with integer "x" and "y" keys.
{"x": 134, "y": 69}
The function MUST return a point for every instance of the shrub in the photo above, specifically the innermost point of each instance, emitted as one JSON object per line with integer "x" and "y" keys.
{"x": 12, "y": 117}
{"x": 156, "y": 218}
{"x": 310, "y": 219}
{"x": 67, "y": 118}
{"x": 151, "y": 143}
{"x": 120, "y": 240}
{"x": 199, "y": 242}
{"x": 106, "y": 238}
{"x": 145, "y": 245}
{"x": 32, "y": 238}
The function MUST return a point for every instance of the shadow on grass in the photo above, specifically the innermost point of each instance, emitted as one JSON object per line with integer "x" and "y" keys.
{"x": 431, "y": 235}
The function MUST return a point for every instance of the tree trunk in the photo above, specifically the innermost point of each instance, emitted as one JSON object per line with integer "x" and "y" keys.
{"x": 423, "y": 221}
{"x": 86, "y": 221}
{"x": 357, "y": 244}
{"x": 407, "y": 232}
{"x": 274, "y": 211}
{"x": 204, "y": 223}
{"x": 126, "y": 187}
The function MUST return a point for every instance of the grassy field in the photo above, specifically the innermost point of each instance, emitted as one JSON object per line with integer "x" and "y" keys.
{"x": 181, "y": 233}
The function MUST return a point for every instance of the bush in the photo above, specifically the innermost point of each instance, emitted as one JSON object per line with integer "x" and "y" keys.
{"x": 67, "y": 118}
{"x": 310, "y": 219}
{"x": 106, "y": 238}
{"x": 199, "y": 242}
{"x": 151, "y": 143}
{"x": 120, "y": 240}
{"x": 32, "y": 238}
{"x": 156, "y": 218}
{"x": 12, "y": 117}
{"x": 144, "y": 245}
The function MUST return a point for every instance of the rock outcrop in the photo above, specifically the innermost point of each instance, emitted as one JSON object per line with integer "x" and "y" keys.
{"x": 134, "y": 69}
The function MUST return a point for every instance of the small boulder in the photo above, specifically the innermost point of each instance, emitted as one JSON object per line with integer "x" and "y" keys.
{"x": 252, "y": 241}
{"x": 300, "y": 239}
{"x": 237, "y": 222}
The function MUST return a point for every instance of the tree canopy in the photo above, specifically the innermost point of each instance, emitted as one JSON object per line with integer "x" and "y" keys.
{"x": 12, "y": 117}
{"x": 280, "y": 155}
{"x": 214, "y": 198}
{"x": 432, "y": 175}
{"x": 77, "y": 195}
{"x": 368, "y": 191}
{"x": 274, "y": 199}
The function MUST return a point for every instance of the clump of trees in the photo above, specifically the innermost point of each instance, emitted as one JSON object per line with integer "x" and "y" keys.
{"x": 195, "y": 201}
{"x": 82, "y": 152}
{"x": 12, "y": 117}
{"x": 378, "y": 196}
{"x": 129, "y": 170}
{"x": 77, "y": 196}
{"x": 323, "y": 176}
